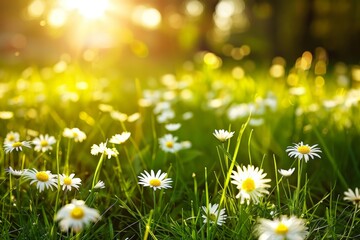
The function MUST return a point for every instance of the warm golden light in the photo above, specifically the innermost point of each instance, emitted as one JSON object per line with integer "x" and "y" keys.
{"x": 36, "y": 8}
{"x": 57, "y": 18}
{"x": 90, "y": 9}
{"x": 147, "y": 17}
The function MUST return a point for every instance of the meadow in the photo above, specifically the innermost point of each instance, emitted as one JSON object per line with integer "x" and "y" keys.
{"x": 243, "y": 152}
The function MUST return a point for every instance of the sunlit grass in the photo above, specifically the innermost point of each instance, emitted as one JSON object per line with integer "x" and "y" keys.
{"x": 196, "y": 126}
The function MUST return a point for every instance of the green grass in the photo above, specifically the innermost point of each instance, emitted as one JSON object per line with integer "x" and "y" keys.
{"x": 45, "y": 102}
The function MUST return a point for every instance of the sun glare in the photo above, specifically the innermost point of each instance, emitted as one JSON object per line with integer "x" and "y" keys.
{"x": 90, "y": 9}
{"x": 147, "y": 17}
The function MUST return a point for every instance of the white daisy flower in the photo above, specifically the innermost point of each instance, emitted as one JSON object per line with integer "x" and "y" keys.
{"x": 101, "y": 148}
{"x": 16, "y": 173}
{"x": 157, "y": 181}
{"x": 223, "y": 135}
{"x": 99, "y": 185}
{"x": 213, "y": 215}
{"x": 285, "y": 228}
{"x": 352, "y": 196}
{"x": 172, "y": 126}
{"x": 76, "y": 216}
{"x": 305, "y": 151}
{"x": 251, "y": 183}
{"x": 120, "y": 138}
{"x": 12, "y": 137}
{"x": 168, "y": 143}
{"x": 68, "y": 181}
{"x": 18, "y": 145}
{"x": 43, "y": 143}
{"x": 286, "y": 173}
{"x": 43, "y": 179}
{"x": 74, "y": 133}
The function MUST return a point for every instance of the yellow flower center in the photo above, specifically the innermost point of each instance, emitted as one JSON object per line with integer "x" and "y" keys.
{"x": 17, "y": 144}
{"x": 67, "y": 181}
{"x": 303, "y": 149}
{"x": 248, "y": 185}
{"x": 77, "y": 213}
{"x": 155, "y": 182}
{"x": 212, "y": 217}
{"x": 281, "y": 229}
{"x": 44, "y": 143}
{"x": 42, "y": 176}
{"x": 169, "y": 144}
{"x": 11, "y": 138}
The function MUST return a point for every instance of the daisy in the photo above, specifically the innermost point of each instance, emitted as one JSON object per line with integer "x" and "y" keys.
{"x": 352, "y": 196}
{"x": 286, "y": 173}
{"x": 68, "y": 181}
{"x": 99, "y": 185}
{"x": 16, "y": 173}
{"x": 74, "y": 133}
{"x": 168, "y": 143}
{"x": 76, "y": 215}
{"x": 172, "y": 126}
{"x": 251, "y": 183}
{"x": 120, "y": 138}
{"x": 17, "y": 145}
{"x": 12, "y": 137}
{"x": 223, "y": 135}
{"x": 43, "y": 143}
{"x": 305, "y": 151}
{"x": 213, "y": 215}
{"x": 157, "y": 181}
{"x": 43, "y": 179}
{"x": 285, "y": 228}
{"x": 101, "y": 148}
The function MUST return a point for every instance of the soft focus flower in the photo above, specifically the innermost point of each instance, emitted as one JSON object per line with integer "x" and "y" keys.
{"x": 305, "y": 151}
{"x": 168, "y": 143}
{"x": 76, "y": 216}
{"x": 352, "y": 196}
{"x": 43, "y": 143}
{"x": 99, "y": 185}
{"x": 172, "y": 126}
{"x": 157, "y": 181}
{"x": 251, "y": 183}
{"x": 286, "y": 173}
{"x": 43, "y": 179}
{"x": 120, "y": 138}
{"x": 223, "y": 135}
{"x": 101, "y": 148}
{"x": 17, "y": 173}
{"x": 12, "y": 137}
{"x": 10, "y": 146}
{"x": 285, "y": 228}
{"x": 68, "y": 181}
{"x": 74, "y": 133}
{"x": 213, "y": 215}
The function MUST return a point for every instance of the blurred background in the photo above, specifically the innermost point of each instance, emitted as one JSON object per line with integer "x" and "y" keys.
{"x": 164, "y": 33}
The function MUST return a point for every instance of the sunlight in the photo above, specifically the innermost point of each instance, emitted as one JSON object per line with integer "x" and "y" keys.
{"x": 90, "y": 9}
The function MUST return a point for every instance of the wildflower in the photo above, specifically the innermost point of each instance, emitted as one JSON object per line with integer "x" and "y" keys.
{"x": 12, "y": 137}
{"x": 76, "y": 215}
{"x": 6, "y": 115}
{"x": 286, "y": 173}
{"x": 214, "y": 215}
{"x": 74, "y": 133}
{"x": 285, "y": 228}
{"x": 101, "y": 148}
{"x": 168, "y": 143}
{"x": 251, "y": 183}
{"x": 120, "y": 138}
{"x": 68, "y": 181}
{"x": 43, "y": 179}
{"x": 305, "y": 151}
{"x": 157, "y": 181}
{"x": 172, "y": 126}
{"x": 16, "y": 173}
{"x": 352, "y": 196}
{"x": 43, "y": 143}
{"x": 223, "y": 135}
{"x": 16, "y": 145}
{"x": 100, "y": 184}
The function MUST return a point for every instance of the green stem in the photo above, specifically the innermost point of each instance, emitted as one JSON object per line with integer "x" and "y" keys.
{"x": 352, "y": 222}
{"x": 97, "y": 171}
